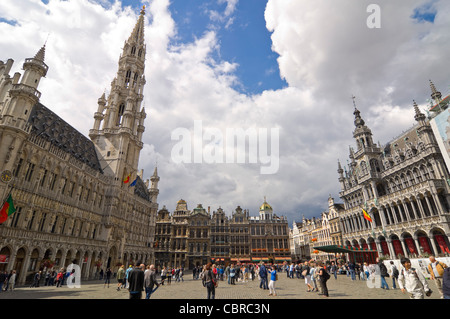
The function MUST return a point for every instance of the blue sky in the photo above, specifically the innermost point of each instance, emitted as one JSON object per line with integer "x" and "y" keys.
{"x": 246, "y": 41}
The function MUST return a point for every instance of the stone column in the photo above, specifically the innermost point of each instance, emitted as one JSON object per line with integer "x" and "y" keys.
{"x": 405, "y": 208}
{"x": 433, "y": 244}
{"x": 23, "y": 272}
{"x": 391, "y": 248}
{"x": 382, "y": 214}
{"x": 406, "y": 251}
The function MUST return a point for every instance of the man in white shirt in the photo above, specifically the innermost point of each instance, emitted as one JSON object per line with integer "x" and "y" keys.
{"x": 412, "y": 281}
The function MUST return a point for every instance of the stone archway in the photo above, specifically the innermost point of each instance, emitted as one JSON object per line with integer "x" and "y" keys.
{"x": 19, "y": 264}
{"x": 441, "y": 242}
{"x": 5, "y": 255}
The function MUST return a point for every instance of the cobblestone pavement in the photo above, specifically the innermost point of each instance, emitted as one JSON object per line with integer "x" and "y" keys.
{"x": 342, "y": 288}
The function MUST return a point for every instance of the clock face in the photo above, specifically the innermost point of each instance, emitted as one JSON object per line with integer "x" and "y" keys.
{"x": 6, "y": 176}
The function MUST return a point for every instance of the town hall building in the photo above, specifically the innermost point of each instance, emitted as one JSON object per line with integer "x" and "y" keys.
{"x": 77, "y": 199}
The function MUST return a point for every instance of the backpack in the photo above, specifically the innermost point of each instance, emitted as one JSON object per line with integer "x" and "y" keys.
{"x": 395, "y": 272}
{"x": 325, "y": 274}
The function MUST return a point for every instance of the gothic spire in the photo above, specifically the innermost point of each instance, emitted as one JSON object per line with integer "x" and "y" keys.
{"x": 419, "y": 116}
{"x": 41, "y": 54}
{"x": 137, "y": 36}
{"x": 435, "y": 94}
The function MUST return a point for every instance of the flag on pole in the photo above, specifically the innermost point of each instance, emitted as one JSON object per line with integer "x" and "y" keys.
{"x": 7, "y": 209}
{"x": 127, "y": 179}
{"x": 367, "y": 216}
{"x": 134, "y": 182}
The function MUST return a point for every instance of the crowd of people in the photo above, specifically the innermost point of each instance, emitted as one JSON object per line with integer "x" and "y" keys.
{"x": 139, "y": 278}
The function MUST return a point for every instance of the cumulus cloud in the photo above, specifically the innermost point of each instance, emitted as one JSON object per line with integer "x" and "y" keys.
{"x": 326, "y": 55}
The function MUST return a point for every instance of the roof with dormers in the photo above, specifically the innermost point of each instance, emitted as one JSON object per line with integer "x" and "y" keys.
{"x": 49, "y": 126}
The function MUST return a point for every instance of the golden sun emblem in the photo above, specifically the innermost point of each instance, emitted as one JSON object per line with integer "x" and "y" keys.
{"x": 6, "y": 176}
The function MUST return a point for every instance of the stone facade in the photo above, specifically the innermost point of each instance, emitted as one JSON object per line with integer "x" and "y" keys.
{"x": 191, "y": 238}
{"x": 69, "y": 191}
{"x": 316, "y": 232}
{"x": 403, "y": 187}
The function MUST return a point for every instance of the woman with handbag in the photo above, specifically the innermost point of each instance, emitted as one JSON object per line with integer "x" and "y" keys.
{"x": 209, "y": 282}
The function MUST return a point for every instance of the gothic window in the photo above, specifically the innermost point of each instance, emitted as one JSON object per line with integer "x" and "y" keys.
{"x": 133, "y": 50}
{"x": 42, "y": 222}
{"x": 374, "y": 165}
{"x": 30, "y": 224}
{"x": 417, "y": 175}
{"x": 16, "y": 216}
{"x": 120, "y": 114}
{"x": 30, "y": 170}
{"x": 410, "y": 178}
{"x": 431, "y": 171}
{"x": 127, "y": 78}
{"x": 363, "y": 168}
{"x": 16, "y": 171}
{"x": 54, "y": 225}
{"x": 404, "y": 180}
{"x": 135, "y": 79}
{"x": 43, "y": 178}
{"x": 140, "y": 53}
{"x": 398, "y": 183}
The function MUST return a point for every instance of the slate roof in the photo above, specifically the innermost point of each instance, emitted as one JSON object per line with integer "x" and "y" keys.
{"x": 52, "y": 128}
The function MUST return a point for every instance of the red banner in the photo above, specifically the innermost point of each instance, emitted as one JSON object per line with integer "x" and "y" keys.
{"x": 397, "y": 247}
{"x": 411, "y": 247}
{"x": 385, "y": 248}
{"x": 365, "y": 246}
{"x": 373, "y": 245}
{"x": 441, "y": 242}
{"x": 424, "y": 244}
{"x": 4, "y": 259}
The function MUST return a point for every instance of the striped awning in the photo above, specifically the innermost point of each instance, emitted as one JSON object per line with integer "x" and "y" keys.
{"x": 343, "y": 249}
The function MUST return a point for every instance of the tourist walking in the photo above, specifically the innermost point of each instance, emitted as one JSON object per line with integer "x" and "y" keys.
{"x": 366, "y": 270}
{"x": 209, "y": 281}
{"x": 306, "y": 274}
{"x": 227, "y": 274}
{"x": 150, "y": 281}
{"x": 412, "y": 281}
{"x": 127, "y": 272}
{"x": 273, "y": 279}
{"x": 3, "y": 278}
{"x": 107, "y": 277}
{"x": 164, "y": 275}
{"x": 36, "y": 279}
{"x": 351, "y": 269}
{"x": 263, "y": 276}
{"x": 323, "y": 278}
{"x": 334, "y": 269}
{"x": 393, "y": 273}
{"x": 436, "y": 270}
{"x": 59, "y": 278}
{"x": 120, "y": 278}
{"x": 446, "y": 283}
{"x": 312, "y": 273}
{"x": 136, "y": 281}
{"x": 10, "y": 285}
{"x": 232, "y": 274}
{"x": 383, "y": 273}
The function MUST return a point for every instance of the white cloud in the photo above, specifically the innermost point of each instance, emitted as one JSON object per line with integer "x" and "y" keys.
{"x": 326, "y": 54}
